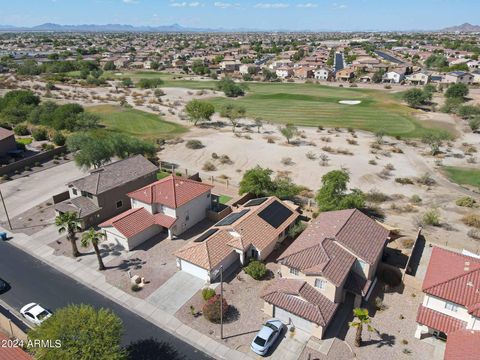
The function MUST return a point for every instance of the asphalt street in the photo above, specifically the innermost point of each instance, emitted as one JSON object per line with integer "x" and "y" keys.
{"x": 33, "y": 281}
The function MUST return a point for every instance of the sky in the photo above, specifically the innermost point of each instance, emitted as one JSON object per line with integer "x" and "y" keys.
{"x": 320, "y": 15}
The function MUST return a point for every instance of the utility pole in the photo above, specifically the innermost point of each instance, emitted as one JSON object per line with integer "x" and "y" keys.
{"x": 6, "y": 212}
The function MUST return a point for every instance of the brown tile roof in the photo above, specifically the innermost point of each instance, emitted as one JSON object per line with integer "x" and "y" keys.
{"x": 131, "y": 222}
{"x": 463, "y": 344}
{"x": 115, "y": 174}
{"x": 80, "y": 205}
{"x": 438, "y": 321}
{"x": 301, "y": 299}
{"x": 5, "y": 133}
{"x": 357, "y": 284}
{"x": 12, "y": 353}
{"x": 249, "y": 229}
{"x": 172, "y": 191}
{"x": 454, "y": 277}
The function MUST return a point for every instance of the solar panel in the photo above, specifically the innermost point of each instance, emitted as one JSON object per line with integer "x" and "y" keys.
{"x": 275, "y": 214}
{"x": 205, "y": 235}
{"x": 255, "y": 202}
{"x": 230, "y": 219}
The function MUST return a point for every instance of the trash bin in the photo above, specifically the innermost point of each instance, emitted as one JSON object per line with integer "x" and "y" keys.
{"x": 3, "y": 235}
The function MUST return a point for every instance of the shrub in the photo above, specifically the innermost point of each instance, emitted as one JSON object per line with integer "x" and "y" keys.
{"x": 390, "y": 277}
{"x": 474, "y": 234}
{"x": 466, "y": 201}
{"x": 287, "y": 161}
{"x": 416, "y": 199}
{"x": 311, "y": 155}
{"x": 296, "y": 229}
{"x": 472, "y": 220}
{"x": 58, "y": 139}
{"x": 376, "y": 196}
{"x": 211, "y": 309}
{"x": 39, "y": 134}
{"x": 209, "y": 166}
{"x": 135, "y": 287}
{"x": 426, "y": 179}
{"x": 208, "y": 293}
{"x": 256, "y": 269}
{"x": 194, "y": 144}
{"x": 21, "y": 130}
{"x": 47, "y": 147}
{"x": 21, "y": 146}
{"x": 408, "y": 243}
{"x": 431, "y": 217}
{"x": 372, "y": 162}
{"x": 225, "y": 159}
{"x": 404, "y": 181}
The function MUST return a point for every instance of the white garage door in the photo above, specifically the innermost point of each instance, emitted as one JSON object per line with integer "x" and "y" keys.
{"x": 194, "y": 270}
{"x": 297, "y": 321}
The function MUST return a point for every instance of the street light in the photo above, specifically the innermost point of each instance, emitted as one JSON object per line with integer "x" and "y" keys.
{"x": 221, "y": 298}
{"x": 6, "y": 212}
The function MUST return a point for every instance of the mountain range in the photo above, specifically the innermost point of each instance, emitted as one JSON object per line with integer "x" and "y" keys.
{"x": 466, "y": 27}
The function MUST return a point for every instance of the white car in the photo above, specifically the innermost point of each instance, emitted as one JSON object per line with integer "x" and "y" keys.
{"x": 267, "y": 336}
{"x": 35, "y": 313}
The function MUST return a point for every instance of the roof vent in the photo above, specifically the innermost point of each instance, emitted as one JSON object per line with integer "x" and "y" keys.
{"x": 469, "y": 283}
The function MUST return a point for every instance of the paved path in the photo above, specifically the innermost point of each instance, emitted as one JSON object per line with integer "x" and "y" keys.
{"x": 68, "y": 280}
{"x": 175, "y": 292}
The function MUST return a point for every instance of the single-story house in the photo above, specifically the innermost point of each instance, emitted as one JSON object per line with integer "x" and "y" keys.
{"x": 252, "y": 231}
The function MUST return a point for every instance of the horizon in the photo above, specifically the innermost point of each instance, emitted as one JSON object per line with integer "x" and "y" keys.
{"x": 289, "y": 15}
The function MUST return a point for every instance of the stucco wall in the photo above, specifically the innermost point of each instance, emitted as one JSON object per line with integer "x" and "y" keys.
{"x": 196, "y": 210}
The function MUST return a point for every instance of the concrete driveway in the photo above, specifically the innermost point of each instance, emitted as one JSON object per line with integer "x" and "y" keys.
{"x": 26, "y": 192}
{"x": 289, "y": 347}
{"x": 175, "y": 292}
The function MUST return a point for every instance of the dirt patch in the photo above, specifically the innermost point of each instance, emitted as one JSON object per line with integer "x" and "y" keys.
{"x": 33, "y": 220}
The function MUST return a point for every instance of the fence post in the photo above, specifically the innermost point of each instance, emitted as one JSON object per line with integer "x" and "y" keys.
{"x": 186, "y": 172}
{"x": 227, "y": 183}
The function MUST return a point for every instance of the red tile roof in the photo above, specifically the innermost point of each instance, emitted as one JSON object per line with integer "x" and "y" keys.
{"x": 164, "y": 220}
{"x": 172, "y": 191}
{"x": 454, "y": 277}
{"x": 438, "y": 321}
{"x": 463, "y": 344}
{"x": 301, "y": 299}
{"x": 12, "y": 353}
{"x": 131, "y": 222}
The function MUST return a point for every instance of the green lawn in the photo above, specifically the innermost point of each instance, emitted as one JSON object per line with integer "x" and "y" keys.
{"x": 463, "y": 176}
{"x": 25, "y": 141}
{"x": 135, "y": 122}
{"x": 162, "y": 174}
{"x": 223, "y": 199}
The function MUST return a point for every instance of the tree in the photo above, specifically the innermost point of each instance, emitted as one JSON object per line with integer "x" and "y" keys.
{"x": 85, "y": 333}
{"x": 89, "y": 151}
{"x": 288, "y": 131}
{"x": 332, "y": 195}
{"x": 434, "y": 140}
{"x": 109, "y": 66}
{"x": 198, "y": 110}
{"x": 457, "y": 91}
{"x": 257, "y": 181}
{"x": 416, "y": 97}
{"x": 69, "y": 223}
{"x": 362, "y": 318}
{"x": 93, "y": 237}
{"x": 231, "y": 88}
{"x": 149, "y": 83}
{"x": 378, "y": 76}
{"x": 233, "y": 113}
{"x": 436, "y": 61}
{"x": 127, "y": 82}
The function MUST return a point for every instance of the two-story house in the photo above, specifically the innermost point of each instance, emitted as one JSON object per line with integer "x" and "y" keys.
{"x": 394, "y": 76}
{"x": 173, "y": 204}
{"x": 418, "y": 78}
{"x": 458, "y": 77}
{"x": 338, "y": 253}
{"x": 322, "y": 74}
{"x": 451, "y": 307}
{"x": 102, "y": 194}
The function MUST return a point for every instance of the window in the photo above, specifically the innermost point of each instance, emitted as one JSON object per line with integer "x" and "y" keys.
{"x": 451, "y": 306}
{"x": 74, "y": 191}
{"x": 119, "y": 204}
{"x": 293, "y": 271}
{"x": 320, "y": 283}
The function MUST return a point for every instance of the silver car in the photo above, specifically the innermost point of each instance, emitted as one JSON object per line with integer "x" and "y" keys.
{"x": 267, "y": 336}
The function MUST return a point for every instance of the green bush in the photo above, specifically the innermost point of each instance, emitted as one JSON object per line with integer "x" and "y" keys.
{"x": 208, "y": 293}
{"x": 58, "y": 139}
{"x": 39, "y": 134}
{"x": 194, "y": 144}
{"x": 472, "y": 220}
{"x": 431, "y": 217}
{"x": 256, "y": 269}
{"x": 466, "y": 201}
{"x": 21, "y": 130}
{"x": 211, "y": 309}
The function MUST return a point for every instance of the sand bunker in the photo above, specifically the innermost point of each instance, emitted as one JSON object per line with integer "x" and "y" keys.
{"x": 349, "y": 102}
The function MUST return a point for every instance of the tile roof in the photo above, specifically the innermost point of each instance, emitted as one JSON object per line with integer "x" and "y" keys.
{"x": 463, "y": 344}
{"x": 438, "y": 321}
{"x": 357, "y": 284}
{"x": 248, "y": 230}
{"x": 301, "y": 299}
{"x": 12, "y": 353}
{"x": 115, "y": 174}
{"x": 454, "y": 277}
{"x": 172, "y": 191}
{"x": 131, "y": 222}
{"x": 80, "y": 205}
{"x": 5, "y": 133}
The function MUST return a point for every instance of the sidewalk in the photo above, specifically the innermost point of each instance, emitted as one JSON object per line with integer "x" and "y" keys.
{"x": 84, "y": 271}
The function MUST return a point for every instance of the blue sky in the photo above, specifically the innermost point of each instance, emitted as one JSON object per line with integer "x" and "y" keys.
{"x": 259, "y": 14}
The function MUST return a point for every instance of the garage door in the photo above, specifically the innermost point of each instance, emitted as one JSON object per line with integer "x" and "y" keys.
{"x": 194, "y": 270}
{"x": 297, "y": 321}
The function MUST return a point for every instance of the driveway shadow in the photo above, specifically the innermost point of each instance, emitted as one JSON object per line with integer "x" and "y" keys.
{"x": 152, "y": 349}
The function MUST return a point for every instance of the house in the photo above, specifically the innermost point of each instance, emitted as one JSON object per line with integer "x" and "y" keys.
{"x": 457, "y": 77}
{"x": 230, "y": 65}
{"x": 419, "y": 78}
{"x": 173, "y": 204}
{"x": 345, "y": 74}
{"x": 7, "y": 141}
{"x": 393, "y": 76}
{"x": 322, "y": 74}
{"x": 473, "y": 64}
{"x": 336, "y": 255}
{"x": 451, "y": 306}
{"x": 303, "y": 73}
{"x": 476, "y": 76}
{"x": 249, "y": 69}
{"x": 102, "y": 194}
{"x": 284, "y": 72}
{"x": 252, "y": 231}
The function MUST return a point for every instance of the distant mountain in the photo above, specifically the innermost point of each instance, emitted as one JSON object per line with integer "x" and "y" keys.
{"x": 462, "y": 28}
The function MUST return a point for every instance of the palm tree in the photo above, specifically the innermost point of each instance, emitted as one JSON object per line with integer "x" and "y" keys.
{"x": 93, "y": 237}
{"x": 68, "y": 222}
{"x": 362, "y": 319}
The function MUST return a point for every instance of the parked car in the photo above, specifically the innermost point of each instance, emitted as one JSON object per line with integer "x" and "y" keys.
{"x": 3, "y": 286}
{"x": 267, "y": 336}
{"x": 35, "y": 313}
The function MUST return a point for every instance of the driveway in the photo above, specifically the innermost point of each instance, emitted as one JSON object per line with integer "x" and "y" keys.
{"x": 26, "y": 192}
{"x": 290, "y": 346}
{"x": 180, "y": 288}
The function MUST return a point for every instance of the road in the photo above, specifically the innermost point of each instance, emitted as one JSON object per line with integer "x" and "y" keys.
{"x": 32, "y": 280}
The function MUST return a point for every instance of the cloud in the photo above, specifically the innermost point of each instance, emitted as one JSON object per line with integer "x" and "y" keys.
{"x": 271, "y": 5}
{"x": 307, "y": 5}
{"x": 185, "y": 4}
{"x": 224, "y": 5}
